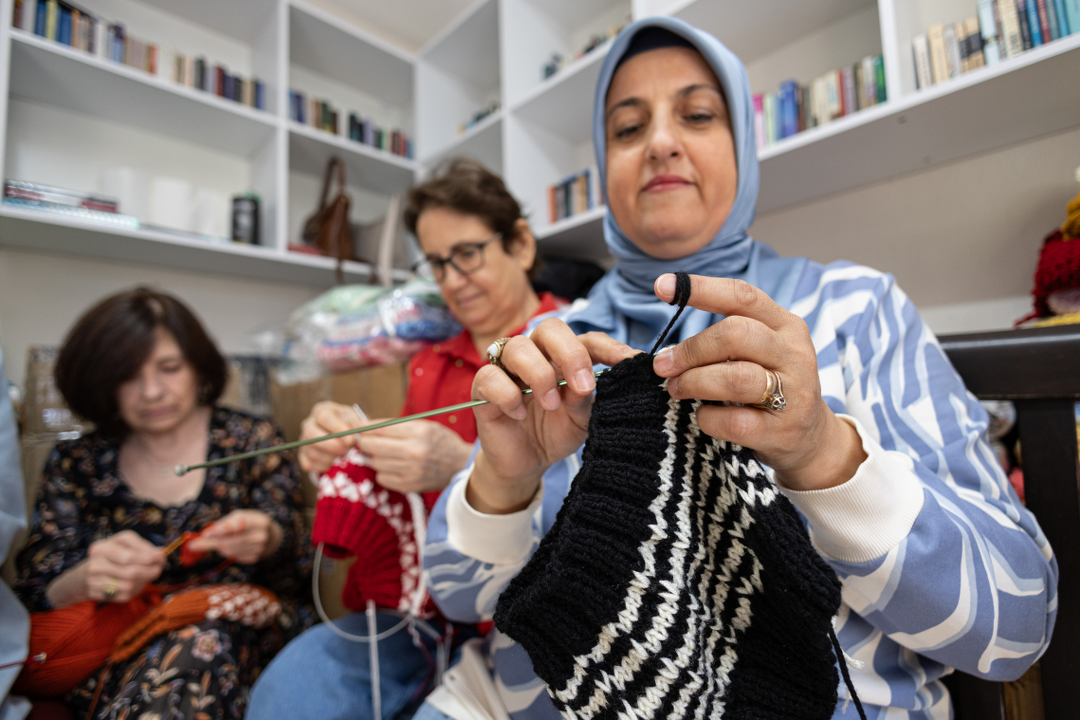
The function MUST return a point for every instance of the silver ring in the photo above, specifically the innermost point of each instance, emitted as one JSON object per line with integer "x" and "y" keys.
{"x": 773, "y": 397}
{"x": 495, "y": 350}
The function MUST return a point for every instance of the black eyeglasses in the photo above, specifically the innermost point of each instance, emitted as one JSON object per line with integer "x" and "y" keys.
{"x": 466, "y": 258}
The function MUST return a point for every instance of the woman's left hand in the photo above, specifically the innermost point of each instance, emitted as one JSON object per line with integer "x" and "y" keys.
{"x": 808, "y": 446}
{"x": 245, "y": 536}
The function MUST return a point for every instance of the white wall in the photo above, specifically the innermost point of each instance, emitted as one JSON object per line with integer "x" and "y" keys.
{"x": 42, "y": 295}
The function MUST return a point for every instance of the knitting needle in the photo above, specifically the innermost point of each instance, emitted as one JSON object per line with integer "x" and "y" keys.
{"x": 184, "y": 469}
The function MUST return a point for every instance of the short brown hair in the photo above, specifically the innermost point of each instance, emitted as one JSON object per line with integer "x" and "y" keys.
{"x": 109, "y": 344}
{"x": 467, "y": 187}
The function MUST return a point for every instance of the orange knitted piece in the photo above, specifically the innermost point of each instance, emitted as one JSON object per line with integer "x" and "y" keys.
{"x": 239, "y": 602}
{"x": 76, "y": 641}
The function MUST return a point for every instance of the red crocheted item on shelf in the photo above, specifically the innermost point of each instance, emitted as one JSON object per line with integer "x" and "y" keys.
{"x": 354, "y": 515}
{"x": 1058, "y": 269}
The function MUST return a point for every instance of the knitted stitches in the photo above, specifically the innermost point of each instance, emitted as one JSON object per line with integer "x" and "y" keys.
{"x": 356, "y": 516}
{"x": 676, "y": 581}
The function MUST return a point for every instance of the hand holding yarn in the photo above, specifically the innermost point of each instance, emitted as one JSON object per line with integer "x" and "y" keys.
{"x": 807, "y": 445}
{"x": 118, "y": 567}
{"x": 418, "y": 456}
{"x": 326, "y": 418}
{"x": 523, "y": 435}
{"x": 245, "y": 536}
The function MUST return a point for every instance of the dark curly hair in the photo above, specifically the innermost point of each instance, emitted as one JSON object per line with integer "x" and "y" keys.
{"x": 113, "y": 339}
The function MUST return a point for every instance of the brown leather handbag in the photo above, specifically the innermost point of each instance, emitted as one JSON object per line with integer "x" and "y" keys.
{"x": 328, "y": 228}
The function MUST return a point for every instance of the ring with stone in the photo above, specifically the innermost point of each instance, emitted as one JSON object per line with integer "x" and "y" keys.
{"x": 773, "y": 397}
{"x": 110, "y": 590}
{"x": 494, "y": 352}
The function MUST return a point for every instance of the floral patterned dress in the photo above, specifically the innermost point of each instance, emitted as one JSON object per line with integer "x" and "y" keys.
{"x": 203, "y": 671}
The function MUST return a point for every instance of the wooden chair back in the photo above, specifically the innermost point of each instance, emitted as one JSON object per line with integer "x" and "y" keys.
{"x": 1039, "y": 371}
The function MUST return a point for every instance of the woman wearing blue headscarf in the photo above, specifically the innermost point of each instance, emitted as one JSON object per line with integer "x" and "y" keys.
{"x": 880, "y": 447}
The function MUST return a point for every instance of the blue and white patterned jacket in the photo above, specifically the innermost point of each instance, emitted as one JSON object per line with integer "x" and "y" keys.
{"x": 941, "y": 565}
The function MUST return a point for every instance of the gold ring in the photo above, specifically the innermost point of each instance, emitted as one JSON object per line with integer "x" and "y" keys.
{"x": 495, "y": 350}
{"x": 110, "y": 590}
{"x": 773, "y": 397}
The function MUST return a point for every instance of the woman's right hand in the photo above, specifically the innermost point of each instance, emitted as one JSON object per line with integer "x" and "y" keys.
{"x": 124, "y": 562}
{"x": 326, "y": 418}
{"x": 521, "y": 436}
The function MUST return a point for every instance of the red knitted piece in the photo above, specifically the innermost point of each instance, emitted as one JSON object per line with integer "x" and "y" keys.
{"x": 356, "y": 516}
{"x": 1059, "y": 269}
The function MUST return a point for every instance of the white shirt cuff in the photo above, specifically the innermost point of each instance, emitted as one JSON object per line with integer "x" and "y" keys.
{"x": 496, "y": 539}
{"x": 866, "y": 517}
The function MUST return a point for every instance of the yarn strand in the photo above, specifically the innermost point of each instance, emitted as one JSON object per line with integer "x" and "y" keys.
{"x": 844, "y": 672}
{"x": 681, "y": 298}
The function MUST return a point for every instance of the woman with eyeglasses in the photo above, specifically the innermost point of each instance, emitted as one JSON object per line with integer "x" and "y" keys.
{"x": 479, "y": 249}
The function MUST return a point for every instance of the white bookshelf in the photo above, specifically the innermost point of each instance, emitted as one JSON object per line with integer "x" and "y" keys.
{"x": 114, "y": 114}
{"x": 492, "y": 52}
{"x": 545, "y": 125}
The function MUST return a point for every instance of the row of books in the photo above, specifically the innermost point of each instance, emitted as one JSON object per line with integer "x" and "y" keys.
{"x": 1000, "y": 29}
{"x": 574, "y": 194}
{"x": 837, "y": 93}
{"x": 67, "y": 24}
{"x": 321, "y": 115}
{"x": 70, "y": 25}
{"x": 197, "y": 73}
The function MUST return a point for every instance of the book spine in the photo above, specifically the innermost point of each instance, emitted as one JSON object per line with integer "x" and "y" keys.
{"x": 879, "y": 79}
{"x": 63, "y": 27}
{"x": 1011, "y": 31}
{"x": 1044, "y": 22}
{"x": 851, "y": 103}
{"x": 17, "y": 14}
{"x": 760, "y": 138}
{"x": 920, "y": 50}
{"x": 869, "y": 75}
{"x": 952, "y": 51}
{"x": 1052, "y": 19}
{"x": 935, "y": 35}
{"x": 1026, "y": 28}
{"x": 1063, "y": 18}
{"x": 976, "y": 48}
{"x": 41, "y": 14}
{"x": 988, "y": 30}
{"x": 29, "y": 15}
{"x": 963, "y": 47}
{"x": 1072, "y": 15}
{"x": 52, "y": 12}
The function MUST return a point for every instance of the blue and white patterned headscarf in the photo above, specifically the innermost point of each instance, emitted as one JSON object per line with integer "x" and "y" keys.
{"x": 623, "y": 304}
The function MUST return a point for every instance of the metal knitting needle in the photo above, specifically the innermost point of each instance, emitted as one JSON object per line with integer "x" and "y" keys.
{"x": 181, "y": 470}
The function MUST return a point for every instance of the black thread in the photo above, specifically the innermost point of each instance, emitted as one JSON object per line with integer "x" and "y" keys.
{"x": 681, "y": 297}
{"x": 842, "y": 662}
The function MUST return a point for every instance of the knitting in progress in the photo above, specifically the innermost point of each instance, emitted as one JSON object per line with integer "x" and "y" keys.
{"x": 677, "y": 581}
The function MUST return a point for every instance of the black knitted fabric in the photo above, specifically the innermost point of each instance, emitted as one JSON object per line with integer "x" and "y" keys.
{"x": 676, "y": 580}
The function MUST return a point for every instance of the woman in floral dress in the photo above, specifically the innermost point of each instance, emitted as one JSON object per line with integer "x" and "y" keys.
{"x": 141, "y": 367}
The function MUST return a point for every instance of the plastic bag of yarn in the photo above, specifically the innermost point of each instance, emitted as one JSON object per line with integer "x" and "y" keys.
{"x": 395, "y": 327}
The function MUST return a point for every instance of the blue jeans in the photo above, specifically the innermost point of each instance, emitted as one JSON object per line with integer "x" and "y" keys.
{"x": 322, "y": 676}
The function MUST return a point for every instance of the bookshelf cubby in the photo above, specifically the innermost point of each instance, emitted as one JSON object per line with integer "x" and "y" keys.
{"x": 494, "y": 52}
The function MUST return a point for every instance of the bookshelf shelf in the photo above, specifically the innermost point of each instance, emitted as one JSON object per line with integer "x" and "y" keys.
{"x": 961, "y": 117}
{"x": 324, "y": 44}
{"x": 32, "y": 231}
{"x": 54, "y": 74}
{"x": 580, "y": 235}
{"x": 310, "y": 150}
{"x": 563, "y": 103}
{"x": 481, "y": 141}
